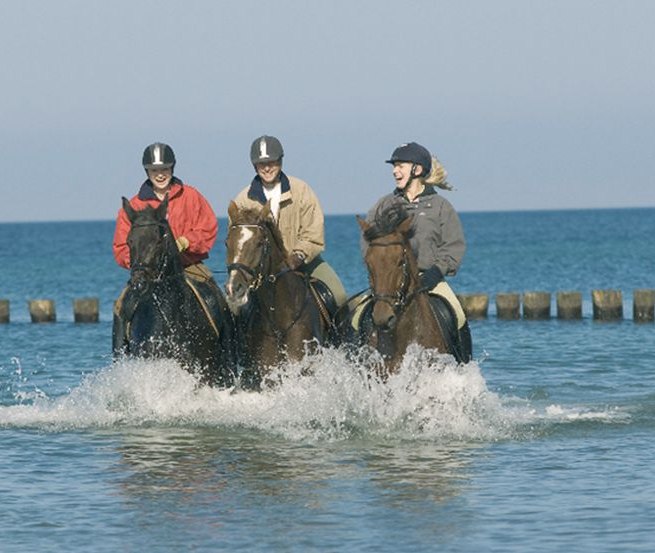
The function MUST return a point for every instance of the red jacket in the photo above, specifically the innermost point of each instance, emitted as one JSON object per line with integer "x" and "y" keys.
{"x": 189, "y": 215}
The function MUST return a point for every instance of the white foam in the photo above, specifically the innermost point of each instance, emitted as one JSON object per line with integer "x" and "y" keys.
{"x": 325, "y": 397}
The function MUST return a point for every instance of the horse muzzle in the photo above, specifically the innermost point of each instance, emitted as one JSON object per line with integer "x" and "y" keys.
{"x": 139, "y": 283}
{"x": 236, "y": 292}
{"x": 384, "y": 316}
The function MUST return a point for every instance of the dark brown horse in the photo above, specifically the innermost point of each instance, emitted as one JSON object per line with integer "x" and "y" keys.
{"x": 278, "y": 316}
{"x": 160, "y": 314}
{"x": 403, "y": 312}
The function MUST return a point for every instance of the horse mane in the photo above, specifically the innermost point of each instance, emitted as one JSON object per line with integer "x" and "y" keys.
{"x": 386, "y": 220}
{"x": 252, "y": 216}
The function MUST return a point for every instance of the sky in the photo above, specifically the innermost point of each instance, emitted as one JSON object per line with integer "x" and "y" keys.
{"x": 528, "y": 104}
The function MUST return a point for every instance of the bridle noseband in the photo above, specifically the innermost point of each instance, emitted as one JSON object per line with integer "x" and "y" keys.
{"x": 259, "y": 274}
{"x": 156, "y": 273}
{"x": 400, "y": 298}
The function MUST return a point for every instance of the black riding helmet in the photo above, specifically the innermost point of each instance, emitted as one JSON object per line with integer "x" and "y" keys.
{"x": 413, "y": 153}
{"x": 266, "y": 149}
{"x": 158, "y": 156}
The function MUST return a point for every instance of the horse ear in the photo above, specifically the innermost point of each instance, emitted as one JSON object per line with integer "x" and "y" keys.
{"x": 162, "y": 208}
{"x": 232, "y": 211}
{"x": 266, "y": 212}
{"x": 129, "y": 210}
{"x": 363, "y": 224}
{"x": 406, "y": 225}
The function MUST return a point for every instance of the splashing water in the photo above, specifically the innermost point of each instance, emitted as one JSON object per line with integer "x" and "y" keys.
{"x": 327, "y": 396}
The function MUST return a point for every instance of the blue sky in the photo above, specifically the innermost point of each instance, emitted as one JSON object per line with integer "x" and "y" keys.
{"x": 529, "y": 105}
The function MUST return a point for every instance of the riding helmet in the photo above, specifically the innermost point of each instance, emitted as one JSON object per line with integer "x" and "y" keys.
{"x": 414, "y": 153}
{"x": 158, "y": 156}
{"x": 266, "y": 149}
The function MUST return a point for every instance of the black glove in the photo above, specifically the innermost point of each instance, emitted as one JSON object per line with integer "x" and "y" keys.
{"x": 431, "y": 277}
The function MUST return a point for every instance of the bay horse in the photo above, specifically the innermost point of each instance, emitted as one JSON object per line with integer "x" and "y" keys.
{"x": 161, "y": 315}
{"x": 403, "y": 312}
{"x": 279, "y": 317}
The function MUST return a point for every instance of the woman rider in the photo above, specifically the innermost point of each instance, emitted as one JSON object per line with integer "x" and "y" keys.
{"x": 437, "y": 239}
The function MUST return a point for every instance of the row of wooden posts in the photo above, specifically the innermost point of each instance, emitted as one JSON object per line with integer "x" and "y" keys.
{"x": 607, "y": 306}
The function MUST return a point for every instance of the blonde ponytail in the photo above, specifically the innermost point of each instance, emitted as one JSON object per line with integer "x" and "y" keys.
{"x": 438, "y": 175}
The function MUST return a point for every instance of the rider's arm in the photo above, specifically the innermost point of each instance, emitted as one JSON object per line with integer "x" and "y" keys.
{"x": 200, "y": 226}
{"x": 120, "y": 247}
{"x": 310, "y": 240}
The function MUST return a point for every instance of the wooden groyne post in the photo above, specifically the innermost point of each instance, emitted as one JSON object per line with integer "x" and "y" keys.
{"x": 508, "y": 305}
{"x": 607, "y": 305}
{"x": 86, "y": 310}
{"x": 569, "y": 305}
{"x": 42, "y": 311}
{"x": 4, "y": 311}
{"x": 476, "y": 306}
{"x": 643, "y": 306}
{"x": 536, "y": 305}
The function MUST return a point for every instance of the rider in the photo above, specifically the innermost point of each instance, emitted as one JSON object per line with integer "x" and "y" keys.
{"x": 437, "y": 238}
{"x": 297, "y": 212}
{"x": 190, "y": 217}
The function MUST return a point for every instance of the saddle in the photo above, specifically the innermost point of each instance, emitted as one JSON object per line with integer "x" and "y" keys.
{"x": 327, "y": 305}
{"x": 209, "y": 298}
{"x": 458, "y": 341}
{"x": 211, "y": 301}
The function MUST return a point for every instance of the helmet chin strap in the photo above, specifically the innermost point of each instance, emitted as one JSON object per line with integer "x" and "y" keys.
{"x": 411, "y": 178}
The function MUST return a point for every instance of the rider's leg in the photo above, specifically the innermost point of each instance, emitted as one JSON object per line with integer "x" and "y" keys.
{"x": 463, "y": 341}
{"x": 118, "y": 330}
{"x": 326, "y": 274}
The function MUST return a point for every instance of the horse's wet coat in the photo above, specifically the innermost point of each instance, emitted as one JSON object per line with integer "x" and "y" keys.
{"x": 278, "y": 317}
{"x": 160, "y": 315}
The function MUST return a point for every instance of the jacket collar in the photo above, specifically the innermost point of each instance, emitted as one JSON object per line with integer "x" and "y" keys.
{"x": 256, "y": 190}
{"x": 427, "y": 191}
{"x": 146, "y": 191}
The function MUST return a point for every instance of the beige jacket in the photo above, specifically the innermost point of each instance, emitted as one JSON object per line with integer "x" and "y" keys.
{"x": 301, "y": 217}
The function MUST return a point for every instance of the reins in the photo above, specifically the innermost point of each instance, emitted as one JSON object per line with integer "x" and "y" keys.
{"x": 260, "y": 275}
{"x": 160, "y": 269}
{"x": 400, "y": 299}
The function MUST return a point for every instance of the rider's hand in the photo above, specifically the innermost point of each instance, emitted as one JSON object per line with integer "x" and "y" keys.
{"x": 295, "y": 260}
{"x": 182, "y": 243}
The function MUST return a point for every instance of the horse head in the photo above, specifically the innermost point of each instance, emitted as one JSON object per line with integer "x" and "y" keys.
{"x": 254, "y": 252}
{"x": 153, "y": 254}
{"x": 392, "y": 268}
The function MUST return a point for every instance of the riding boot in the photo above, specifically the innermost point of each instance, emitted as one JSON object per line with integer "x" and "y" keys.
{"x": 465, "y": 343}
{"x": 118, "y": 341}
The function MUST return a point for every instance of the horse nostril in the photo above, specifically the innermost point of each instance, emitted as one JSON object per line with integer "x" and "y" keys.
{"x": 233, "y": 288}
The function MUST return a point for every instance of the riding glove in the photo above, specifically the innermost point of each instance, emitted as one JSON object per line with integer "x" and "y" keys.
{"x": 295, "y": 260}
{"x": 182, "y": 243}
{"x": 431, "y": 277}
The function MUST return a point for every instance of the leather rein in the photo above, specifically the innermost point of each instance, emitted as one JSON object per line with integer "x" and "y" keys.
{"x": 261, "y": 275}
{"x": 399, "y": 299}
{"x": 155, "y": 273}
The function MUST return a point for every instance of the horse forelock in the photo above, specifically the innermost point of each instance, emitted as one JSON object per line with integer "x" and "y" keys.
{"x": 387, "y": 220}
{"x": 252, "y": 216}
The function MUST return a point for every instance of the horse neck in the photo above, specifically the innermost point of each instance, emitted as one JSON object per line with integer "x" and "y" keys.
{"x": 287, "y": 291}
{"x": 276, "y": 256}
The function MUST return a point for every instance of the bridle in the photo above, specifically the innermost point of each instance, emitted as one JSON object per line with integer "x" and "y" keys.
{"x": 156, "y": 273}
{"x": 261, "y": 273}
{"x": 399, "y": 299}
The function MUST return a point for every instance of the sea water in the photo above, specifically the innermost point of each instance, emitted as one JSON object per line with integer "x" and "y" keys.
{"x": 543, "y": 443}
